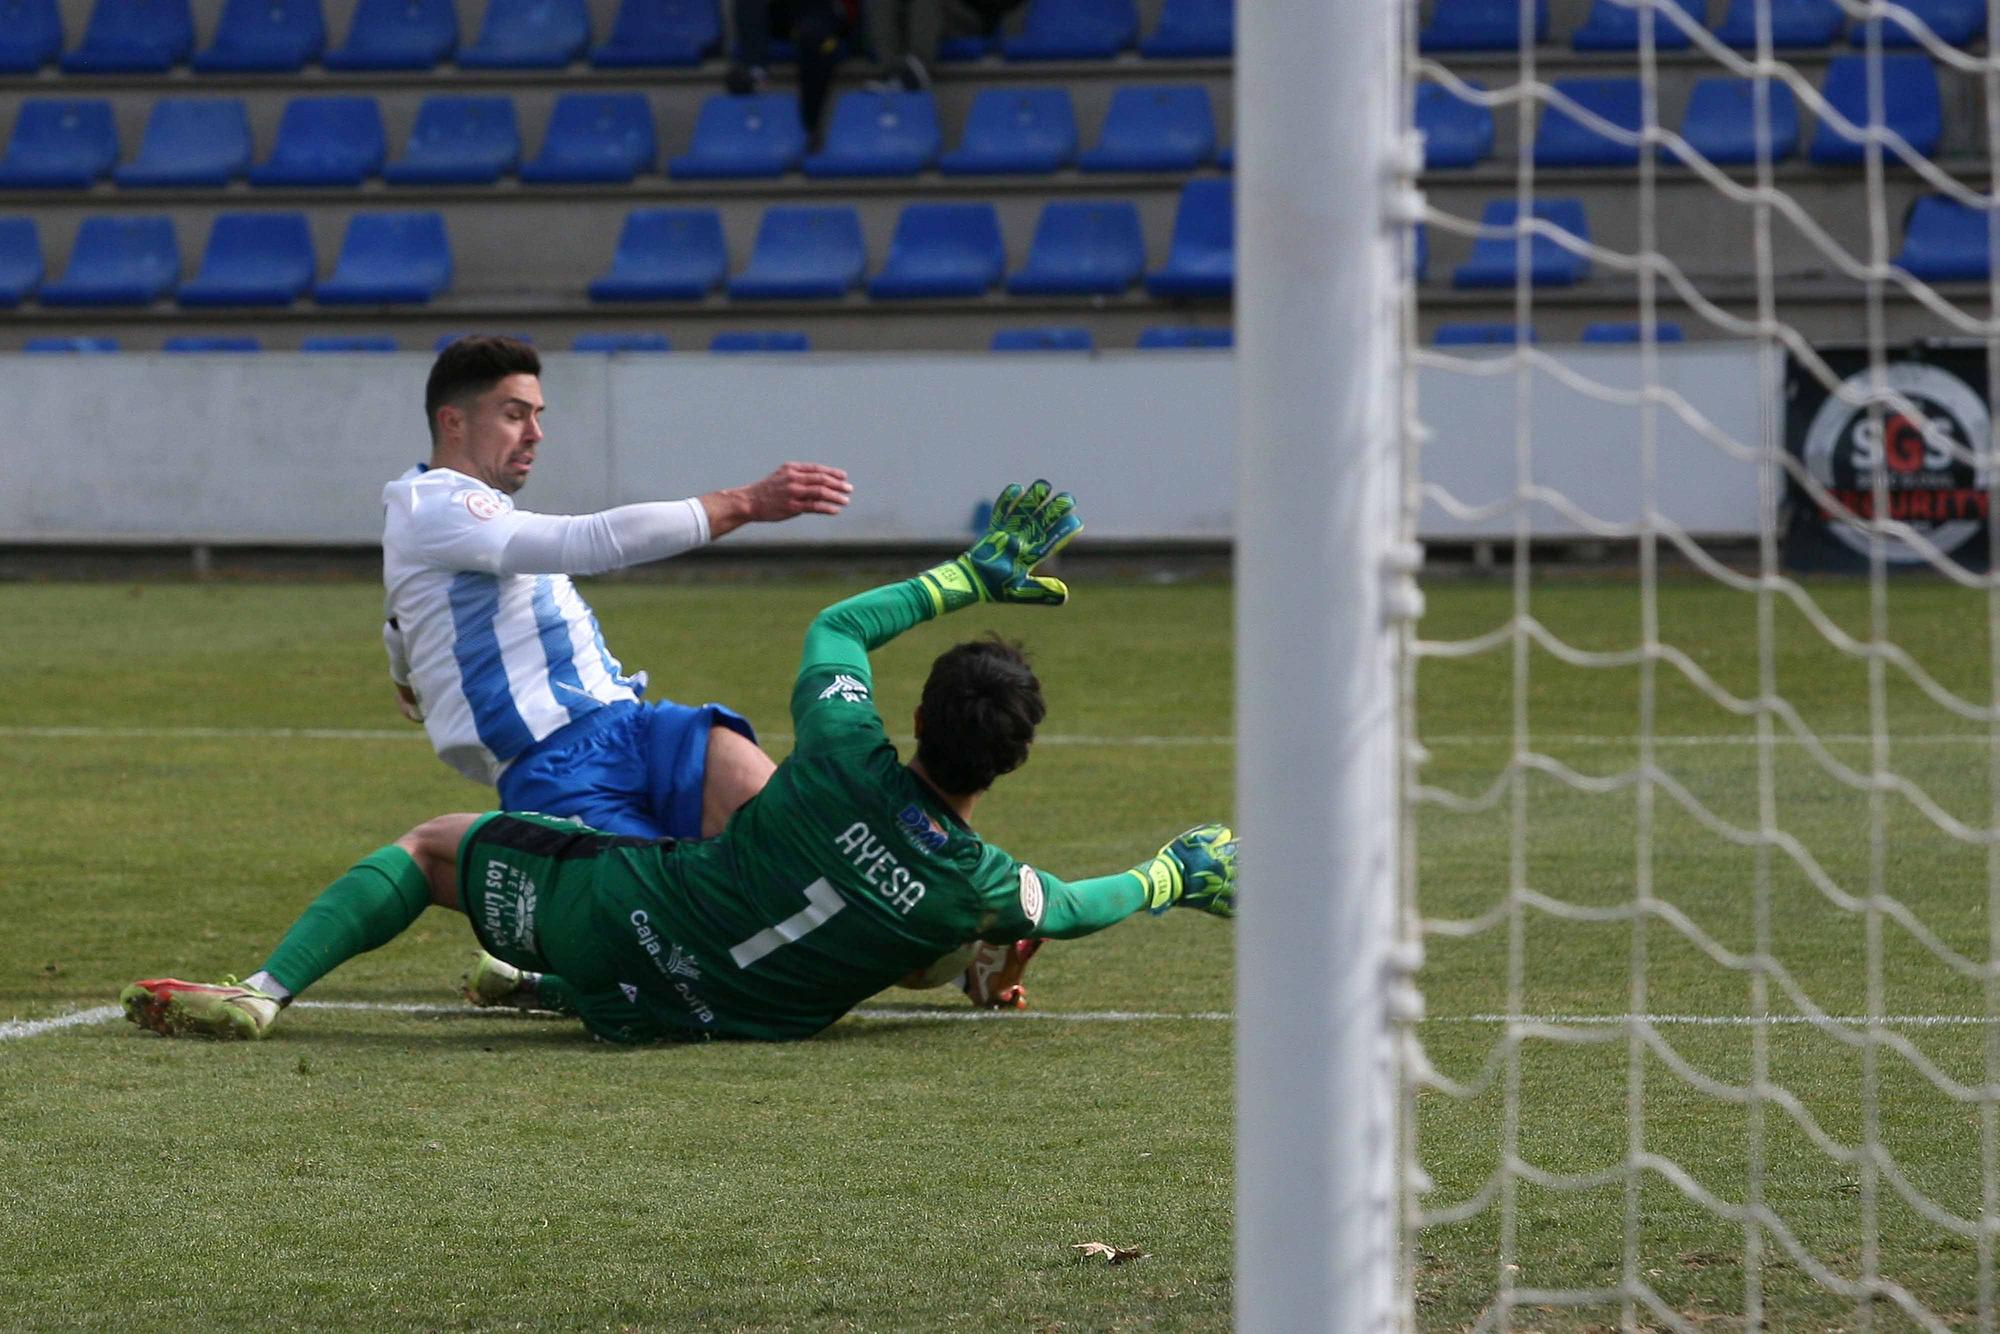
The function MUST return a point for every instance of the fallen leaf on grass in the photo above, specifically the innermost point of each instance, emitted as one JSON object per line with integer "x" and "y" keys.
{"x": 1116, "y": 1255}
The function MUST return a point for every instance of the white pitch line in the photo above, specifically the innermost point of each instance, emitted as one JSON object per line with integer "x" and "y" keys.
{"x": 27, "y": 1028}
{"x": 1701, "y": 739}
{"x": 84, "y": 732}
{"x": 1719, "y": 1020}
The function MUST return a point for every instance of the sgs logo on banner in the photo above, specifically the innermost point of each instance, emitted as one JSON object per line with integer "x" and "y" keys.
{"x": 1928, "y": 486}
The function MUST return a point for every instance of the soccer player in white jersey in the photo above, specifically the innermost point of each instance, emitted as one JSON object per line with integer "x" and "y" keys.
{"x": 493, "y": 649}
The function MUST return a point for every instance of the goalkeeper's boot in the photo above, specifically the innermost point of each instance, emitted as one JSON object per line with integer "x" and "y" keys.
{"x": 992, "y": 980}
{"x": 177, "y": 1009}
{"x": 492, "y": 982}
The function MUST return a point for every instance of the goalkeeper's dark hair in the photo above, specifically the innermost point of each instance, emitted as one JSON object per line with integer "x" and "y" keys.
{"x": 470, "y": 366}
{"x": 981, "y": 706}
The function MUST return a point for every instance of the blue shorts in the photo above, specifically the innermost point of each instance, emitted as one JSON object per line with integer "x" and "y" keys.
{"x": 628, "y": 768}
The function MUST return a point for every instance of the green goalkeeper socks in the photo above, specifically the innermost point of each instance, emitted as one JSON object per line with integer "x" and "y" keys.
{"x": 366, "y": 908}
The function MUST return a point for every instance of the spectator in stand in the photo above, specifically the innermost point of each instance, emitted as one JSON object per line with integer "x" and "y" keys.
{"x": 905, "y": 35}
{"x": 819, "y": 28}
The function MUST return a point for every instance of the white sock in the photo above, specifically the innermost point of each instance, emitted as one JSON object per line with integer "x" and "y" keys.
{"x": 270, "y": 986}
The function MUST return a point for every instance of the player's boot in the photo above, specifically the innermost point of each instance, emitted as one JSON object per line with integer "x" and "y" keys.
{"x": 177, "y": 1009}
{"x": 993, "y": 979}
{"x": 490, "y": 981}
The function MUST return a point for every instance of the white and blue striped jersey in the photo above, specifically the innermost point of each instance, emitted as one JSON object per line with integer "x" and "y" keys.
{"x": 497, "y": 660}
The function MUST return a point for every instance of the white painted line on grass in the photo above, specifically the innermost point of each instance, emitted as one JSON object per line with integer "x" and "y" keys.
{"x": 1701, "y": 739}
{"x": 27, "y": 1028}
{"x": 1720, "y": 1020}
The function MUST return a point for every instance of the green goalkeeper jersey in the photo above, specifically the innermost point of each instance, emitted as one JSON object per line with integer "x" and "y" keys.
{"x": 844, "y": 874}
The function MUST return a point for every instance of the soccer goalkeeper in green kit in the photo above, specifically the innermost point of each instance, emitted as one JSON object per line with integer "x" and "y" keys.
{"x": 848, "y": 872}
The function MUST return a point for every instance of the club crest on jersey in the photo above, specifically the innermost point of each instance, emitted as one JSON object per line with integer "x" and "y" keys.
{"x": 920, "y": 829}
{"x": 631, "y": 993}
{"x": 850, "y": 690}
{"x": 1032, "y": 898}
{"x": 482, "y": 506}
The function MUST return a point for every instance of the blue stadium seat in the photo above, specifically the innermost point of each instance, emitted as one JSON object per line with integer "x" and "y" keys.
{"x": 133, "y": 37}
{"x": 1565, "y": 141}
{"x": 1612, "y": 26}
{"x": 1793, "y": 23}
{"x": 211, "y": 343}
{"x": 742, "y": 137}
{"x": 1202, "y": 259}
{"x": 1073, "y": 30}
{"x": 601, "y": 137}
{"x": 253, "y": 259}
{"x": 773, "y": 340}
{"x": 60, "y": 144}
{"x": 81, "y": 343}
{"x": 31, "y": 35}
{"x": 1185, "y": 336}
{"x": 1911, "y": 107}
{"x": 118, "y": 261}
{"x": 1192, "y": 29}
{"x": 445, "y": 340}
{"x": 1456, "y": 133}
{"x": 389, "y": 257}
{"x": 665, "y": 254}
{"x": 1944, "y": 241}
{"x": 347, "y": 343}
{"x": 942, "y": 250}
{"x": 1625, "y": 331}
{"x": 459, "y": 140}
{"x": 1721, "y": 118}
{"x": 963, "y": 48}
{"x": 620, "y": 342}
{"x": 805, "y": 253}
{"x": 191, "y": 141}
{"x": 1481, "y": 25}
{"x": 278, "y": 36}
{"x": 1478, "y": 335}
{"x": 1158, "y": 128}
{"x": 878, "y": 134}
{"x": 325, "y": 141}
{"x": 528, "y": 34}
{"x": 1953, "y": 22}
{"x": 1549, "y": 265}
{"x": 1045, "y": 338}
{"x": 1012, "y": 131}
{"x": 653, "y": 33}
{"x": 20, "y": 260}
{"x": 397, "y": 34}
{"x": 1083, "y": 249}
{"x": 1420, "y": 258}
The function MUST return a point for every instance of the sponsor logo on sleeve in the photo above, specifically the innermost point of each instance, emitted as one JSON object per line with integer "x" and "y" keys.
{"x": 1032, "y": 899}
{"x": 483, "y": 505}
{"x": 921, "y": 830}
{"x": 847, "y": 688}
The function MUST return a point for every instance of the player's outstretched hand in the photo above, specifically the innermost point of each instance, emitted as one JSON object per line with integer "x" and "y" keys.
{"x": 798, "y": 488}
{"x": 1026, "y": 529}
{"x": 1196, "y": 869}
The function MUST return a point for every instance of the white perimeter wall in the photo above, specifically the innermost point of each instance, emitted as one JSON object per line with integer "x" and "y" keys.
{"x": 285, "y": 448}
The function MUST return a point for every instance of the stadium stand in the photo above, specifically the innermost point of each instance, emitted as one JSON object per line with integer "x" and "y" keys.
{"x": 1549, "y": 265}
{"x": 528, "y": 34}
{"x": 810, "y": 253}
{"x": 1184, "y": 336}
{"x": 1611, "y": 26}
{"x": 1567, "y": 141}
{"x": 1480, "y": 25}
{"x": 118, "y": 261}
{"x": 1483, "y": 334}
{"x": 1626, "y": 331}
{"x": 1015, "y": 131}
{"x": 325, "y": 141}
{"x": 620, "y": 342}
{"x": 31, "y": 35}
{"x": 655, "y": 33}
{"x": 347, "y": 343}
{"x": 133, "y": 37}
{"x": 1457, "y": 133}
{"x": 60, "y": 144}
{"x": 397, "y": 35}
{"x": 20, "y": 260}
{"x": 445, "y": 340}
{"x": 389, "y": 258}
{"x": 595, "y": 137}
{"x": 231, "y": 343}
{"x": 459, "y": 141}
{"x": 1721, "y": 122}
{"x": 1192, "y": 29}
{"x": 942, "y": 250}
{"x": 665, "y": 254}
{"x": 1911, "y": 106}
{"x": 878, "y": 134}
{"x": 1045, "y": 338}
{"x": 83, "y": 344}
{"x": 253, "y": 259}
{"x": 1943, "y": 241}
{"x": 1083, "y": 249}
{"x": 1794, "y": 23}
{"x": 1953, "y": 22}
{"x": 1202, "y": 258}
{"x": 773, "y": 340}
{"x": 191, "y": 142}
{"x": 268, "y": 36}
{"x": 743, "y": 137}
{"x": 1154, "y": 128}
{"x": 1073, "y": 30}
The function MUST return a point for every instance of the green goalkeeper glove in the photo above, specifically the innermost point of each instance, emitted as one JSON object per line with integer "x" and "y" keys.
{"x": 1026, "y": 529}
{"x": 1195, "y": 870}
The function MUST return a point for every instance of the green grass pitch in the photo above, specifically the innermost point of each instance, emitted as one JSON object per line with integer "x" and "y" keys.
{"x": 185, "y": 765}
